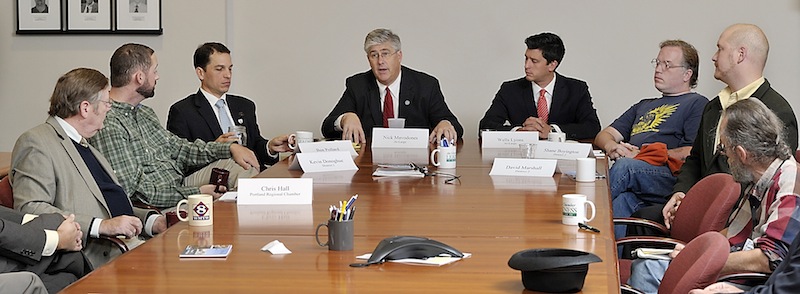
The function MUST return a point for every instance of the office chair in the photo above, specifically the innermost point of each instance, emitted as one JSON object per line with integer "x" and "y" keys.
{"x": 697, "y": 266}
{"x": 705, "y": 208}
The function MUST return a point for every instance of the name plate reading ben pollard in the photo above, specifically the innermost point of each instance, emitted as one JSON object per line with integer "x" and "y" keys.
{"x": 501, "y": 139}
{"x": 329, "y": 146}
{"x": 326, "y": 161}
{"x": 399, "y": 138}
{"x": 554, "y": 150}
{"x": 523, "y": 167}
{"x": 275, "y": 191}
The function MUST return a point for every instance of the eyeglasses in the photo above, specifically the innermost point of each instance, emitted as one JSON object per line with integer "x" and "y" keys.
{"x": 664, "y": 64}
{"x": 382, "y": 54}
{"x": 107, "y": 102}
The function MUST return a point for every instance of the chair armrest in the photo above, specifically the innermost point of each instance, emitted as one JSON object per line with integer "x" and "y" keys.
{"x": 649, "y": 240}
{"x": 745, "y": 278}
{"x": 627, "y": 289}
{"x": 116, "y": 241}
{"x": 631, "y": 221}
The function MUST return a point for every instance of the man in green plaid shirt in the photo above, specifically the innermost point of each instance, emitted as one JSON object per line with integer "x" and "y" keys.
{"x": 150, "y": 162}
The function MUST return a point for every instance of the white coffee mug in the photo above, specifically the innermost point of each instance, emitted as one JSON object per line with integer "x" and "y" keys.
{"x": 585, "y": 169}
{"x": 573, "y": 209}
{"x": 397, "y": 123}
{"x": 300, "y": 137}
{"x": 199, "y": 210}
{"x": 446, "y": 158}
{"x": 557, "y": 137}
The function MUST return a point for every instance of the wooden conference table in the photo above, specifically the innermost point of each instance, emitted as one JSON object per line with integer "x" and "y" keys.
{"x": 490, "y": 217}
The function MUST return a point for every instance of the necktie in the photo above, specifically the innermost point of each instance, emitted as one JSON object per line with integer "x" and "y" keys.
{"x": 136, "y": 9}
{"x": 541, "y": 108}
{"x": 224, "y": 121}
{"x": 388, "y": 108}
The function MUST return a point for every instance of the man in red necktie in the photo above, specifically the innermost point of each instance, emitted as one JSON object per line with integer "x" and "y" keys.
{"x": 389, "y": 90}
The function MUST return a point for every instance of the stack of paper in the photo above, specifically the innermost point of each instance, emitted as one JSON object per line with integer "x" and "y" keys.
{"x": 397, "y": 171}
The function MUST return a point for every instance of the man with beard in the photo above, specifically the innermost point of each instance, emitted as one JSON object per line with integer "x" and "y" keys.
{"x": 766, "y": 218}
{"x": 151, "y": 163}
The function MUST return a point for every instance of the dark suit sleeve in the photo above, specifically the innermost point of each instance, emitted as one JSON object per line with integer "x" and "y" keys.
{"x": 177, "y": 123}
{"x": 346, "y": 104}
{"x": 23, "y": 243}
{"x": 497, "y": 114}
{"x": 438, "y": 110}
{"x": 587, "y": 124}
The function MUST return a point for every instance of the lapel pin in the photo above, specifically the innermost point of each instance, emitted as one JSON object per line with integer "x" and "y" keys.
{"x": 407, "y": 103}
{"x": 241, "y": 121}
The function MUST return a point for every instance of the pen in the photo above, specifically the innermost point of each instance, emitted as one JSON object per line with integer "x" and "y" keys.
{"x": 352, "y": 213}
{"x": 587, "y": 227}
{"x": 351, "y": 202}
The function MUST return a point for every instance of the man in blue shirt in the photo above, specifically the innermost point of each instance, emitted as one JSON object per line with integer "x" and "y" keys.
{"x": 672, "y": 119}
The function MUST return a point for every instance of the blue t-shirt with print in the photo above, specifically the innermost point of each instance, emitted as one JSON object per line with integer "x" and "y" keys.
{"x": 672, "y": 120}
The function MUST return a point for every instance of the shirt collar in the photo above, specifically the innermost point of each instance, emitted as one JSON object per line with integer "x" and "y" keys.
{"x": 211, "y": 98}
{"x": 760, "y": 188}
{"x": 72, "y": 133}
{"x": 548, "y": 88}
{"x": 394, "y": 87}
{"x": 727, "y": 98}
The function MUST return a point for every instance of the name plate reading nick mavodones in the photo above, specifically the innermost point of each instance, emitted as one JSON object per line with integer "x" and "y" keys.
{"x": 503, "y": 139}
{"x": 554, "y": 150}
{"x": 276, "y": 191}
{"x": 523, "y": 167}
{"x": 328, "y": 146}
{"x": 323, "y": 162}
{"x": 399, "y": 138}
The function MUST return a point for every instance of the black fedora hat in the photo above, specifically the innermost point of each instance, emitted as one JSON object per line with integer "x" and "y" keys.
{"x": 553, "y": 269}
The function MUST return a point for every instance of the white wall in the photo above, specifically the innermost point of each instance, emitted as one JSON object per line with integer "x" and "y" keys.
{"x": 291, "y": 57}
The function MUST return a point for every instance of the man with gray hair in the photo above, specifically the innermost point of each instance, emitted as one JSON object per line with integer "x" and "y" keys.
{"x": 766, "y": 218}
{"x": 389, "y": 90}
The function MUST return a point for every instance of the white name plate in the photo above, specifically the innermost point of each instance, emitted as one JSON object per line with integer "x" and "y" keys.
{"x": 275, "y": 191}
{"x": 400, "y": 156}
{"x": 554, "y": 150}
{"x": 399, "y": 138}
{"x": 523, "y": 167}
{"x": 499, "y": 139}
{"x": 325, "y": 161}
{"x": 276, "y": 217}
{"x": 328, "y": 146}
{"x": 489, "y": 154}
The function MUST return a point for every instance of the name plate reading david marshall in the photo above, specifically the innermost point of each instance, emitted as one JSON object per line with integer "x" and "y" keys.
{"x": 328, "y": 146}
{"x": 399, "y": 138}
{"x": 523, "y": 167}
{"x": 275, "y": 191}
{"x": 326, "y": 161}
{"x": 499, "y": 139}
{"x": 553, "y": 150}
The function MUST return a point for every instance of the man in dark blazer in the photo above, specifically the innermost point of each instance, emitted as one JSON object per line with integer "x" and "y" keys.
{"x": 516, "y": 106}
{"x": 198, "y": 117}
{"x": 414, "y": 95}
{"x": 47, "y": 245}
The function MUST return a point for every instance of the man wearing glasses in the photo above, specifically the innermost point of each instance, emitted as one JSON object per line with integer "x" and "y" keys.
{"x": 543, "y": 97}
{"x": 389, "y": 90}
{"x": 672, "y": 119}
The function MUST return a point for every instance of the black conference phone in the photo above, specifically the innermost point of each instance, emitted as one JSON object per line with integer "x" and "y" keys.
{"x": 400, "y": 247}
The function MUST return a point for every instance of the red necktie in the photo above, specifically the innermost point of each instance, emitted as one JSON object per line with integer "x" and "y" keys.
{"x": 541, "y": 108}
{"x": 388, "y": 108}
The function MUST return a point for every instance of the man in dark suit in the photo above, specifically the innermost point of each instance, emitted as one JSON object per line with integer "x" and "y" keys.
{"x": 389, "y": 90}
{"x": 517, "y": 106}
{"x": 199, "y": 117}
{"x": 47, "y": 245}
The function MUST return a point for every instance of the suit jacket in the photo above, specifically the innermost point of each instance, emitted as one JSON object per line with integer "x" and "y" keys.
{"x": 48, "y": 175}
{"x": 21, "y": 249}
{"x": 703, "y": 160}
{"x": 193, "y": 118}
{"x": 572, "y": 109}
{"x": 421, "y": 103}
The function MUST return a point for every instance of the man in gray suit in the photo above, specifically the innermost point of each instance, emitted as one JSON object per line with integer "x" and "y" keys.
{"x": 46, "y": 245}
{"x": 54, "y": 170}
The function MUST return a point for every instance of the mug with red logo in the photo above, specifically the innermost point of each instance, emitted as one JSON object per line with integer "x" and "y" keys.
{"x": 199, "y": 210}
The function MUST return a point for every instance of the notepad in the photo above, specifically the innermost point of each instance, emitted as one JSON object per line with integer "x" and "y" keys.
{"x": 215, "y": 251}
{"x": 652, "y": 253}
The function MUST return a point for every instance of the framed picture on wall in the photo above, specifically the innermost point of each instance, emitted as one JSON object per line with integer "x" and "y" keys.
{"x": 38, "y": 16}
{"x": 88, "y": 15}
{"x": 139, "y": 16}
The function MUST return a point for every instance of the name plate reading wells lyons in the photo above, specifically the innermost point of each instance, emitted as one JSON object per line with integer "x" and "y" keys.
{"x": 498, "y": 139}
{"x": 399, "y": 138}
{"x": 553, "y": 150}
{"x": 324, "y": 161}
{"x": 275, "y": 191}
{"x": 523, "y": 167}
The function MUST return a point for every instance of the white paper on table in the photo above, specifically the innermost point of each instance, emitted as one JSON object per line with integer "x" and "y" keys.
{"x": 437, "y": 261}
{"x": 276, "y": 247}
{"x": 229, "y": 196}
